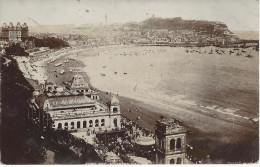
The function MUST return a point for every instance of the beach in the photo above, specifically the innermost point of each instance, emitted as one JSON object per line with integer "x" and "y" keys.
{"x": 216, "y": 96}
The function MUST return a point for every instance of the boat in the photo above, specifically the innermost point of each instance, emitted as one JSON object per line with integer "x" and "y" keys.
{"x": 249, "y": 56}
{"x": 103, "y": 74}
{"x": 125, "y": 73}
{"x": 238, "y": 53}
{"x": 58, "y": 64}
{"x": 230, "y": 52}
{"x": 61, "y": 72}
{"x": 115, "y": 72}
{"x": 243, "y": 51}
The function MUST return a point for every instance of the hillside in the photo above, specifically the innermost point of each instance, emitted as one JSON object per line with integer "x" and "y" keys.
{"x": 208, "y": 27}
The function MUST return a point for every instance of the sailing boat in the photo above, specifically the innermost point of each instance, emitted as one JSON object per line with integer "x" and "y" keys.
{"x": 249, "y": 55}
{"x": 238, "y": 53}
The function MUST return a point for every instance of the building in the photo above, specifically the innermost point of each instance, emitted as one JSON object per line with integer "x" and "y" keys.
{"x": 170, "y": 142}
{"x": 79, "y": 85}
{"x": 14, "y": 33}
{"x": 76, "y": 112}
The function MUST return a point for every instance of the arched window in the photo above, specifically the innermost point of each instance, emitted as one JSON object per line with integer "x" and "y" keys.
{"x": 115, "y": 109}
{"x": 179, "y": 160}
{"x": 102, "y": 122}
{"x": 172, "y": 161}
{"x": 172, "y": 144}
{"x": 59, "y": 126}
{"x": 78, "y": 125}
{"x": 90, "y": 123}
{"x": 66, "y": 125}
{"x": 96, "y": 123}
{"x": 178, "y": 143}
{"x": 115, "y": 122}
{"x": 84, "y": 124}
{"x": 72, "y": 125}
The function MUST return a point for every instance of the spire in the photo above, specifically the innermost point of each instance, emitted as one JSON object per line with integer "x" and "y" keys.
{"x": 114, "y": 100}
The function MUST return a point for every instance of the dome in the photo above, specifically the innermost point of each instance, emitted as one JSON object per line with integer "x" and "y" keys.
{"x": 114, "y": 100}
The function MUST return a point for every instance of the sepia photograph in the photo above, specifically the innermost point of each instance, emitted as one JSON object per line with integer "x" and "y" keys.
{"x": 103, "y": 82}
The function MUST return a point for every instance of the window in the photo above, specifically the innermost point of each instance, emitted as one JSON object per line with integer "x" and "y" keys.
{"x": 172, "y": 161}
{"x": 66, "y": 125}
{"x": 59, "y": 126}
{"x": 172, "y": 144}
{"x": 115, "y": 109}
{"x": 102, "y": 122}
{"x": 178, "y": 143}
{"x": 96, "y": 123}
{"x": 78, "y": 125}
{"x": 115, "y": 122}
{"x": 84, "y": 124}
{"x": 72, "y": 125}
{"x": 90, "y": 123}
{"x": 179, "y": 160}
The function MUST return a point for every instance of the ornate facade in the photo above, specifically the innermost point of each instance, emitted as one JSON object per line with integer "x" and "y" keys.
{"x": 170, "y": 142}
{"x": 81, "y": 111}
{"x": 14, "y": 33}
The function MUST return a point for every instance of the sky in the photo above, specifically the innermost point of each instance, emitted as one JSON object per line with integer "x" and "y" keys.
{"x": 237, "y": 14}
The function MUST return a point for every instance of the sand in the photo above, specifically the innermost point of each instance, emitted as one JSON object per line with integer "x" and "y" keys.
{"x": 216, "y": 96}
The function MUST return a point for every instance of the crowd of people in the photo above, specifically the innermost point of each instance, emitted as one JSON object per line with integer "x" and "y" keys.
{"x": 123, "y": 143}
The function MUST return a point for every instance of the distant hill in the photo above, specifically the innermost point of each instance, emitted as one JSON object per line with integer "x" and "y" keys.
{"x": 247, "y": 35}
{"x": 177, "y": 23}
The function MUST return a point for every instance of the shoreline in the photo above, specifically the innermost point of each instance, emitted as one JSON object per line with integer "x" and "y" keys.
{"x": 196, "y": 138}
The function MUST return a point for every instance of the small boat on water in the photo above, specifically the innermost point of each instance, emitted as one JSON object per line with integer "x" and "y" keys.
{"x": 249, "y": 56}
{"x": 62, "y": 72}
{"x": 238, "y": 54}
{"x": 125, "y": 73}
{"x": 230, "y": 52}
{"x": 102, "y": 74}
{"x": 243, "y": 51}
{"x": 58, "y": 64}
{"x": 115, "y": 72}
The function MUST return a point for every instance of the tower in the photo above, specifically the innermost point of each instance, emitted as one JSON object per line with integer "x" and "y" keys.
{"x": 115, "y": 116}
{"x": 5, "y": 32}
{"x": 170, "y": 142}
{"x": 24, "y": 32}
{"x": 19, "y": 31}
{"x": 114, "y": 107}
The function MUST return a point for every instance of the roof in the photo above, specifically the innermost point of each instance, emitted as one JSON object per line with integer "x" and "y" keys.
{"x": 78, "y": 82}
{"x": 114, "y": 100}
{"x": 140, "y": 160}
{"x": 145, "y": 141}
{"x": 70, "y": 101}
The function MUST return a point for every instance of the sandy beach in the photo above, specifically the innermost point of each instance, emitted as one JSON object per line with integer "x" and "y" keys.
{"x": 216, "y": 96}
